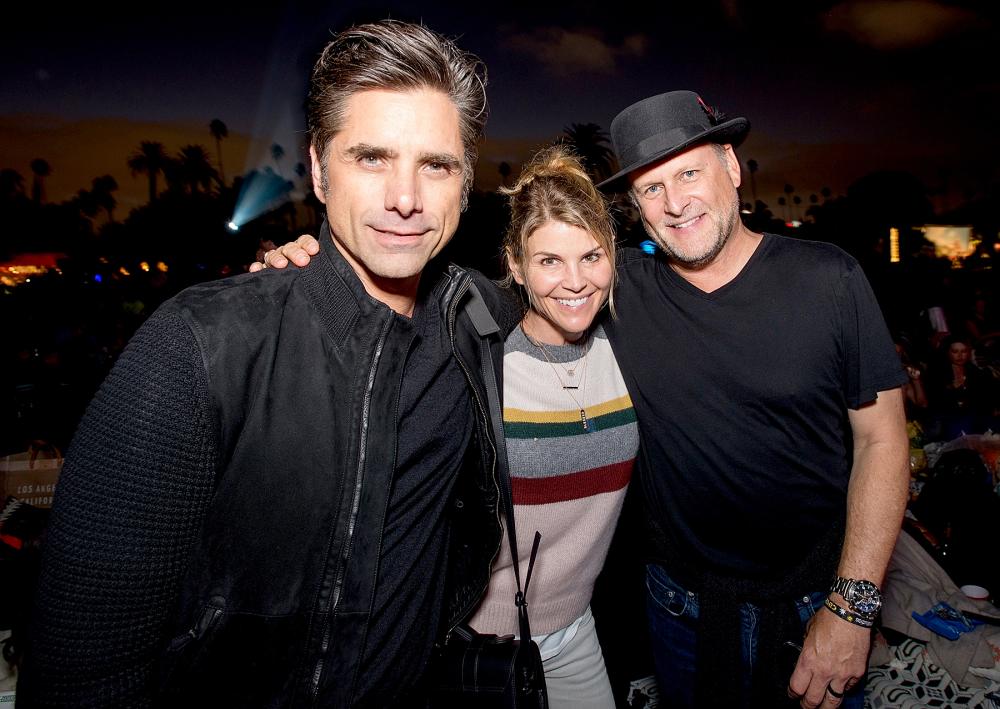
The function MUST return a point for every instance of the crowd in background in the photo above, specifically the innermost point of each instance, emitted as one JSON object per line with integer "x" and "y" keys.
{"x": 950, "y": 347}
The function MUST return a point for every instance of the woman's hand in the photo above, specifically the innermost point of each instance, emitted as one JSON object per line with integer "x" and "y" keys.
{"x": 299, "y": 252}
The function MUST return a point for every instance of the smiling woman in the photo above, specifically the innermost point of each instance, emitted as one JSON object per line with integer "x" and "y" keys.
{"x": 567, "y": 275}
{"x": 569, "y": 426}
{"x": 560, "y": 246}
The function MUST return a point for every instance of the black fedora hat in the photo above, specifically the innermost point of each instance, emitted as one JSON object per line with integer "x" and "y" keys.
{"x": 661, "y": 126}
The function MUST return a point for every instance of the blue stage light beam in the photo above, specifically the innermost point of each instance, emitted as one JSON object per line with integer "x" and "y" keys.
{"x": 277, "y": 122}
{"x": 260, "y": 193}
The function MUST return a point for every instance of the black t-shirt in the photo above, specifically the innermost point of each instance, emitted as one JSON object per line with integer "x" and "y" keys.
{"x": 742, "y": 396}
{"x": 435, "y": 428}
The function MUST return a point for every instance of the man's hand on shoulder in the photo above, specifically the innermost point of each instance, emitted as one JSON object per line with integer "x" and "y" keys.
{"x": 834, "y": 657}
{"x": 299, "y": 252}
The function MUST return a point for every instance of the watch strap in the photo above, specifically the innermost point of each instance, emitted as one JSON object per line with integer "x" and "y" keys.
{"x": 840, "y": 585}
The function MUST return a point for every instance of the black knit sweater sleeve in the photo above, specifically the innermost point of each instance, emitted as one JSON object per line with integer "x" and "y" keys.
{"x": 129, "y": 505}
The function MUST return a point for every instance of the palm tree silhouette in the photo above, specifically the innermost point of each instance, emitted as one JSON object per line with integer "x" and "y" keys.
{"x": 150, "y": 160}
{"x": 752, "y": 166}
{"x": 41, "y": 169}
{"x": 86, "y": 203}
{"x": 277, "y": 152}
{"x": 11, "y": 184}
{"x": 219, "y": 131}
{"x": 102, "y": 188}
{"x": 788, "y": 201}
{"x": 194, "y": 168}
{"x": 591, "y": 143}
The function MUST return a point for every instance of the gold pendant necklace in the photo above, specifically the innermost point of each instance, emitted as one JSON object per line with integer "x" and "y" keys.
{"x": 571, "y": 370}
{"x": 584, "y": 421}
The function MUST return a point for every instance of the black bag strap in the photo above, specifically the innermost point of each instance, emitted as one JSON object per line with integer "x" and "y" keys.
{"x": 506, "y": 494}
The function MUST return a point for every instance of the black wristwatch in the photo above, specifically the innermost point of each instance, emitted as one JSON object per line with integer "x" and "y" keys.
{"x": 863, "y": 597}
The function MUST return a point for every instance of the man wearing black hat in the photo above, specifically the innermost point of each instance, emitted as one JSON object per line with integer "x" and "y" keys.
{"x": 774, "y": 456}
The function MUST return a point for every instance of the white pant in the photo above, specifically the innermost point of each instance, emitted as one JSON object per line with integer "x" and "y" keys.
{"x": 576, "y": 678}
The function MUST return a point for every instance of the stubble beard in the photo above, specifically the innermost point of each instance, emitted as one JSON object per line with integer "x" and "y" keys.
{"x": 726, "y": 228}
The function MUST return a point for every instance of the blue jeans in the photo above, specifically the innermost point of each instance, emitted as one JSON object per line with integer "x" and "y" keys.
{"x": 673, "y": 615}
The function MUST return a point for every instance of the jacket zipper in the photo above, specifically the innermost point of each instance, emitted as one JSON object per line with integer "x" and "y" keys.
{"x": 483, "y": 417}
{"x": 206, "y": 620}
{"x": 355, "y": 504}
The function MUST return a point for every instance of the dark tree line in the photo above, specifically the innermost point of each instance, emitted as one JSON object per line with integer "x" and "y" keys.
{"x": 69, "y": 326}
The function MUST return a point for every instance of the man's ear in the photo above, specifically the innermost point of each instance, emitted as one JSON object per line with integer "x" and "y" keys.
{"x": 319, "y": 189}
{"x": 733, "y": 165}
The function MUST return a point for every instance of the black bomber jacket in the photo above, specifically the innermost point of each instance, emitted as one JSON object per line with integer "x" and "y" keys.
{"x": 311, "y": 341}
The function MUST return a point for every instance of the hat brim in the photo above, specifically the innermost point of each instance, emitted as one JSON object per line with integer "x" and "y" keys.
{"x": 732, "y": 132}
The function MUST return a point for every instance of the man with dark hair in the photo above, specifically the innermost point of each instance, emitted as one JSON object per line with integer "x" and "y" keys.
{"x": 774, "y": 464}
{"x": 283, "y": 492}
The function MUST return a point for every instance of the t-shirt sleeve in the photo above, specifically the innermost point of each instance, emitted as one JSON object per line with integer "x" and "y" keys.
{"x": 871, "y": 364}
{"x": 128, "y": 507}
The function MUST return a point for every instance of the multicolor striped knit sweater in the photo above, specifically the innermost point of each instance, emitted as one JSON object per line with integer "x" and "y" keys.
{"x": 569, "y": 482}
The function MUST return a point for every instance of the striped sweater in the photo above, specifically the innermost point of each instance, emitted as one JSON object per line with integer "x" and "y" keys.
{"x": 569, "y": 482}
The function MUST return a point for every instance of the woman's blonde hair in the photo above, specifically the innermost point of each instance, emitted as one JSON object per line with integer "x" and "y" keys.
{"x": 553, "y": 186}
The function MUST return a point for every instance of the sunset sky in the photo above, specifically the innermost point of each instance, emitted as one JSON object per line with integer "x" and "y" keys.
{"x": 832, "y": 92}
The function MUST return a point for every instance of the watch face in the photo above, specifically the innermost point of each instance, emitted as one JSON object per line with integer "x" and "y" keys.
{"x": 865, "y": 598}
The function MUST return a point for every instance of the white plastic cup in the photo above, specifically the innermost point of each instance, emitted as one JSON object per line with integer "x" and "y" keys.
{"x": 937, "y": 319}
{"x": 976, "y": 593}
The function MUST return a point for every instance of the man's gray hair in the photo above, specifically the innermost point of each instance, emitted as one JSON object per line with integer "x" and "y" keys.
{"x": 395, "y": 56}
